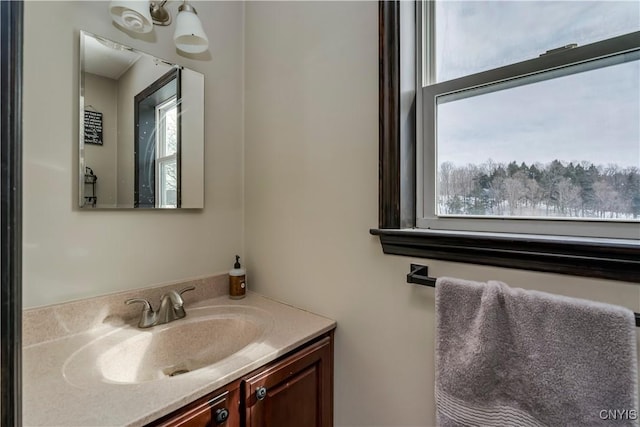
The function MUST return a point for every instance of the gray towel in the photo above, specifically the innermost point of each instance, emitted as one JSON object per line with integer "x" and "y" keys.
{"x": 511, "y": 357}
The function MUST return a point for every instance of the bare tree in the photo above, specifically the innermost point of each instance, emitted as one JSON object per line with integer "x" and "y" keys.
{"x": 608, "y": 199}
{"x": 533, "y": 192}
{"x": 568, "y": 196}
{"x": 496, "y": 195}
{"x": 445, "y": 183}
{"x": 513, "y": 191}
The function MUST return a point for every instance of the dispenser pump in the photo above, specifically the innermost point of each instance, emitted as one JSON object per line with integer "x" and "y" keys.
{"x": 237, "y": 282}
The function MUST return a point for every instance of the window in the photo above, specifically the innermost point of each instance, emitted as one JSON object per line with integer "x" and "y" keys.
{"x": 167, "y": 153}
{"x": 157, "y": 143}
{"x": 541, "y": 213}
{"x": 536, "y": 132}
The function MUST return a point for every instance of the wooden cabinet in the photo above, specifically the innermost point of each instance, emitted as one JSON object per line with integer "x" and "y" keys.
{"x": 295, "y": 391}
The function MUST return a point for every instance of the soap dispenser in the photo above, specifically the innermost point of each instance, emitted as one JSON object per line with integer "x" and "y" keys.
{"x": 237, "y": 281}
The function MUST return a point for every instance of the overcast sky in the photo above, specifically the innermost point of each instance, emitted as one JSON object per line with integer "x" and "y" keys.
{"x": 592, "y": 116}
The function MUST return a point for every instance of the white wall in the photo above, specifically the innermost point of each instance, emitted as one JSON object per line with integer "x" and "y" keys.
{"x": 311, "y": 195}
{"x": 101, "y": 94}
{"x": 71, "y": 254}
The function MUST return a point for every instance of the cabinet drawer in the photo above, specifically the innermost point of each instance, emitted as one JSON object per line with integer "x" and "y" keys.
{"x": 217, "y": 409}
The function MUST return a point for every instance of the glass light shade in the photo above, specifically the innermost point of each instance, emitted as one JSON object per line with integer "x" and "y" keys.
{"x": 189, "y": 36}
{"x": 132, "y": 15}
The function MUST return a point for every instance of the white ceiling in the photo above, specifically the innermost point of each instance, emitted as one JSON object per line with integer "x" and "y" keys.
{"x": 106, "y": 58}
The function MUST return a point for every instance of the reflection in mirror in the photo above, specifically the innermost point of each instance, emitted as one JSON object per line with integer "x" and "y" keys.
{"x": 141, "y": 129}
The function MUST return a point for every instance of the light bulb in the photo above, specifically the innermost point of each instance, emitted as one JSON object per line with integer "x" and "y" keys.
{"x": 132, "y": 15}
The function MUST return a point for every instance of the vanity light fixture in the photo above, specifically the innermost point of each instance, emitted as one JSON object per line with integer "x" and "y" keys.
{"x": 139, "y": 16}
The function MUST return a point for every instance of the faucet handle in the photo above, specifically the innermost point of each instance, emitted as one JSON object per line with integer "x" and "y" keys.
{"x": 147, "y": 305}
{"x": 188, "y": 288}
{"x": 148, "y": 316}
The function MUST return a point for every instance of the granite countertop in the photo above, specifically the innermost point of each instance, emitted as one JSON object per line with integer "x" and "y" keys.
{"x": 62, "y": 385}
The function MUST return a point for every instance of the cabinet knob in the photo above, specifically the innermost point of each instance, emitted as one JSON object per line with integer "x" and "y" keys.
{"x": 261, "y": 393}
{"x": 222, "y": 415}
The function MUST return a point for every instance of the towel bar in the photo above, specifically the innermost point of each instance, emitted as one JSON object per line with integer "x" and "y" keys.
{"x": 420, "y": 276}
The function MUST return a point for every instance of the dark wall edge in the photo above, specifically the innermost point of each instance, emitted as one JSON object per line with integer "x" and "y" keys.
{"x": 11, "y": 28}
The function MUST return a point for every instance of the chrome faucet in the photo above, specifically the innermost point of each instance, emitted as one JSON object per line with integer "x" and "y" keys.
{"x": 171, "y": 308}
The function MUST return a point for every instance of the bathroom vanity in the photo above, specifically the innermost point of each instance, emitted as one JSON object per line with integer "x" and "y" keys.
{"x": 250, "y": 362}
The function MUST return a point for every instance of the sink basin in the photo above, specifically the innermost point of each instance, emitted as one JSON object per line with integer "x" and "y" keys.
{"x": 130, "y": 355}
{"x": 175, "y": 350}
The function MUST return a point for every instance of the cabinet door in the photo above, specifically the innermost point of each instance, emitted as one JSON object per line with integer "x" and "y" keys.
{"x": 295, "y": 392}
{"x": 215, "y": 410}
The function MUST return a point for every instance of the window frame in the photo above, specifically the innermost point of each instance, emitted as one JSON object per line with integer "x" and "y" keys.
{"x": 615, "y": 259}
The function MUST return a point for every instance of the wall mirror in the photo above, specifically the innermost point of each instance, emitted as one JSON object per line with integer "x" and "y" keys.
{"x": 141, "y": 129}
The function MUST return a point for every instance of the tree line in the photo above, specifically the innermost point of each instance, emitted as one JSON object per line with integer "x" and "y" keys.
{"x": 557, "y": 189}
